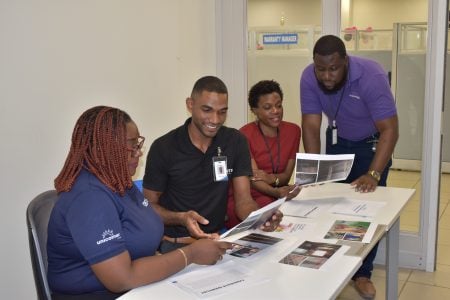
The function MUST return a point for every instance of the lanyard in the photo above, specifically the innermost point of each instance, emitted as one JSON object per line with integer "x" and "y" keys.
{"x": 342, "y": 96}
{"x": 338, "y": 107}
{"x": 274, "y": 167}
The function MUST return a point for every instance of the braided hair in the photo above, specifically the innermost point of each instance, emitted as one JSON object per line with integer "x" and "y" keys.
{"x": 99, "y": 146}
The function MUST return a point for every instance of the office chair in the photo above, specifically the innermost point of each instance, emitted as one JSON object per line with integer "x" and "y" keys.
{"x": 38, "y": 214}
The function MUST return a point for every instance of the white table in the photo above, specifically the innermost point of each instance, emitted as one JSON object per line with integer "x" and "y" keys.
{"x": 288, "y": 282}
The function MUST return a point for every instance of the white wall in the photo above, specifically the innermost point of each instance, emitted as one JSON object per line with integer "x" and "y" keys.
{"x": 58, "y": 58}
{"x": 379, "y": 14}
{"x": 295, "y": 12}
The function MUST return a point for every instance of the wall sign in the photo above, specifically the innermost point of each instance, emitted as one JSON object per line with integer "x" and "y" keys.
{"x": 280, "y": 39}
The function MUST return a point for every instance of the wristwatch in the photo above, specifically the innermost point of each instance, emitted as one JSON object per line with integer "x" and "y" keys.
{"x": 277, "y": 181}
{"x": 374, "y": 174}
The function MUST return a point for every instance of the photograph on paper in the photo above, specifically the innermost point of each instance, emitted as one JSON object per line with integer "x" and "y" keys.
{"x": 321, "y": 168}
{"x": 310, "y": 254}
{"x": 255, "y": 218}
{"x": 354, "y": 231}
{"x": 251, "y": 244}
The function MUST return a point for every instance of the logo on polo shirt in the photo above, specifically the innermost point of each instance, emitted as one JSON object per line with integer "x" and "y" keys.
{"x": 145, "y": 202}
{"x": 108, "y": 235}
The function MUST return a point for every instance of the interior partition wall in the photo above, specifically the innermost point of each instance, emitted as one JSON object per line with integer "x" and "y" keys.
{"x": 417, "y": 250}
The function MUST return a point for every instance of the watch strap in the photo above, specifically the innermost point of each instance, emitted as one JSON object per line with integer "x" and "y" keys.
{"x": 374, "y": 174}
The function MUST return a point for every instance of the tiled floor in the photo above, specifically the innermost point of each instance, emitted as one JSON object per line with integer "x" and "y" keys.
{"x": 414, "y": 284}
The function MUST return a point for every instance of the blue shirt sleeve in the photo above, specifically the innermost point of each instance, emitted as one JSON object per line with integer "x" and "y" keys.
{"x": 94, "y": 223}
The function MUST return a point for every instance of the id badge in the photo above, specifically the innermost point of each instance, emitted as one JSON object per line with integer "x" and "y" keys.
{"x": 220, "y": 168}
{"x": 334, "y": 135}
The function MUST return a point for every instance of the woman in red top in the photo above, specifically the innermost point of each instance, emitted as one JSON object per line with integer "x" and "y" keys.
{"x": 273, "y": 145}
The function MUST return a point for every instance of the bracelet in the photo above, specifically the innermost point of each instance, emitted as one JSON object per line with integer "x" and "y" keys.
{"x": 185, "y": 257}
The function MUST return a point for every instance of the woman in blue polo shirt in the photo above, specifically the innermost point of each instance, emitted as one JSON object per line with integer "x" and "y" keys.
{"x": 102, "y": 233}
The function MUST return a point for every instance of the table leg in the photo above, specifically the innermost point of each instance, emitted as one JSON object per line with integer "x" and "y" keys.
{"x": 392, "y": 249}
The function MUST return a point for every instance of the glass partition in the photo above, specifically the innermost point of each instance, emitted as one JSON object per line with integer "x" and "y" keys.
{"x": 281, "y": 54}
{"x": 367, "y": 39}
{"x": 281, "y": 35}
{"x": 409, "y": 90}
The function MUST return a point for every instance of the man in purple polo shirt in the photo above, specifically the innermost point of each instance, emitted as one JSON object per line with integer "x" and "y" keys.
{"x": 355, "y": 95}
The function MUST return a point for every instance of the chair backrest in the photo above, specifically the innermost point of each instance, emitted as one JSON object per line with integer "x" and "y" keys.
{"x": 38, "y": 214}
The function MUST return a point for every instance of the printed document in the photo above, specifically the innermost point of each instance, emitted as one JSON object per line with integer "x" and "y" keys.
{"x": 251, "y": 244}
{"x": 320, "y": 168}
{"x": 354, "y": 231}
{"x": 216, "y": 280}
{"x": 291, "y": 224}
{"x": 311, "y": 208}
{"x": 311, "y": 254}
{"x": 358, "y": 208}
{"x": 255, "y": 218}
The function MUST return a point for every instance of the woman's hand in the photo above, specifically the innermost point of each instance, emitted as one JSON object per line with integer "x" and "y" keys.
{"x": 261, "y": 175}
{"x": 288, "y": 191}
{"x": 206, "y": 252}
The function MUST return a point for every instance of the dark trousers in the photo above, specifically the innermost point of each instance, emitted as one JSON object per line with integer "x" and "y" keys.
{"x": 363, "y": 157}
{"x": 166, "y": 246}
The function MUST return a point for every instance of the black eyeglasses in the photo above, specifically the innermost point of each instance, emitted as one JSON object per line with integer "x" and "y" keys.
{"x": 138, "y": 146}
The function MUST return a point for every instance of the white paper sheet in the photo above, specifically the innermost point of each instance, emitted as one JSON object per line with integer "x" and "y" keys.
{"x": 217, "y": 280}
{"x": 308, "y": 208}
{"x": 320, "y": 168}
{"x": 255, "y": 218}
{"x": 346, "y": 230}
{"x": 318, "y": 259}
{"x": 292, "y": 226}
{"x": 358, "y": 208}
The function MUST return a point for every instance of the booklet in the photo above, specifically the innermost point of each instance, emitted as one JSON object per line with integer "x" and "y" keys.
{"x": 310, "y": 254}
{"x": 256, "y": 218}
{"x": 251, "y": 244}
{"x": 320, "y": 168}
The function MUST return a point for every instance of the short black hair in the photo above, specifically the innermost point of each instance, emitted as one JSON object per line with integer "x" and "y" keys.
{"x": 329, "y": 44}
{"x": 261, "y": 88}
{"x": 210, "y": 84}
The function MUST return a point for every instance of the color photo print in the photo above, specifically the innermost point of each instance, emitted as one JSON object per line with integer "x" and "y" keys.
{"x": 310, "y": 255}
{"x": 348, "y": 230}
{"x": 251, "y": 244}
